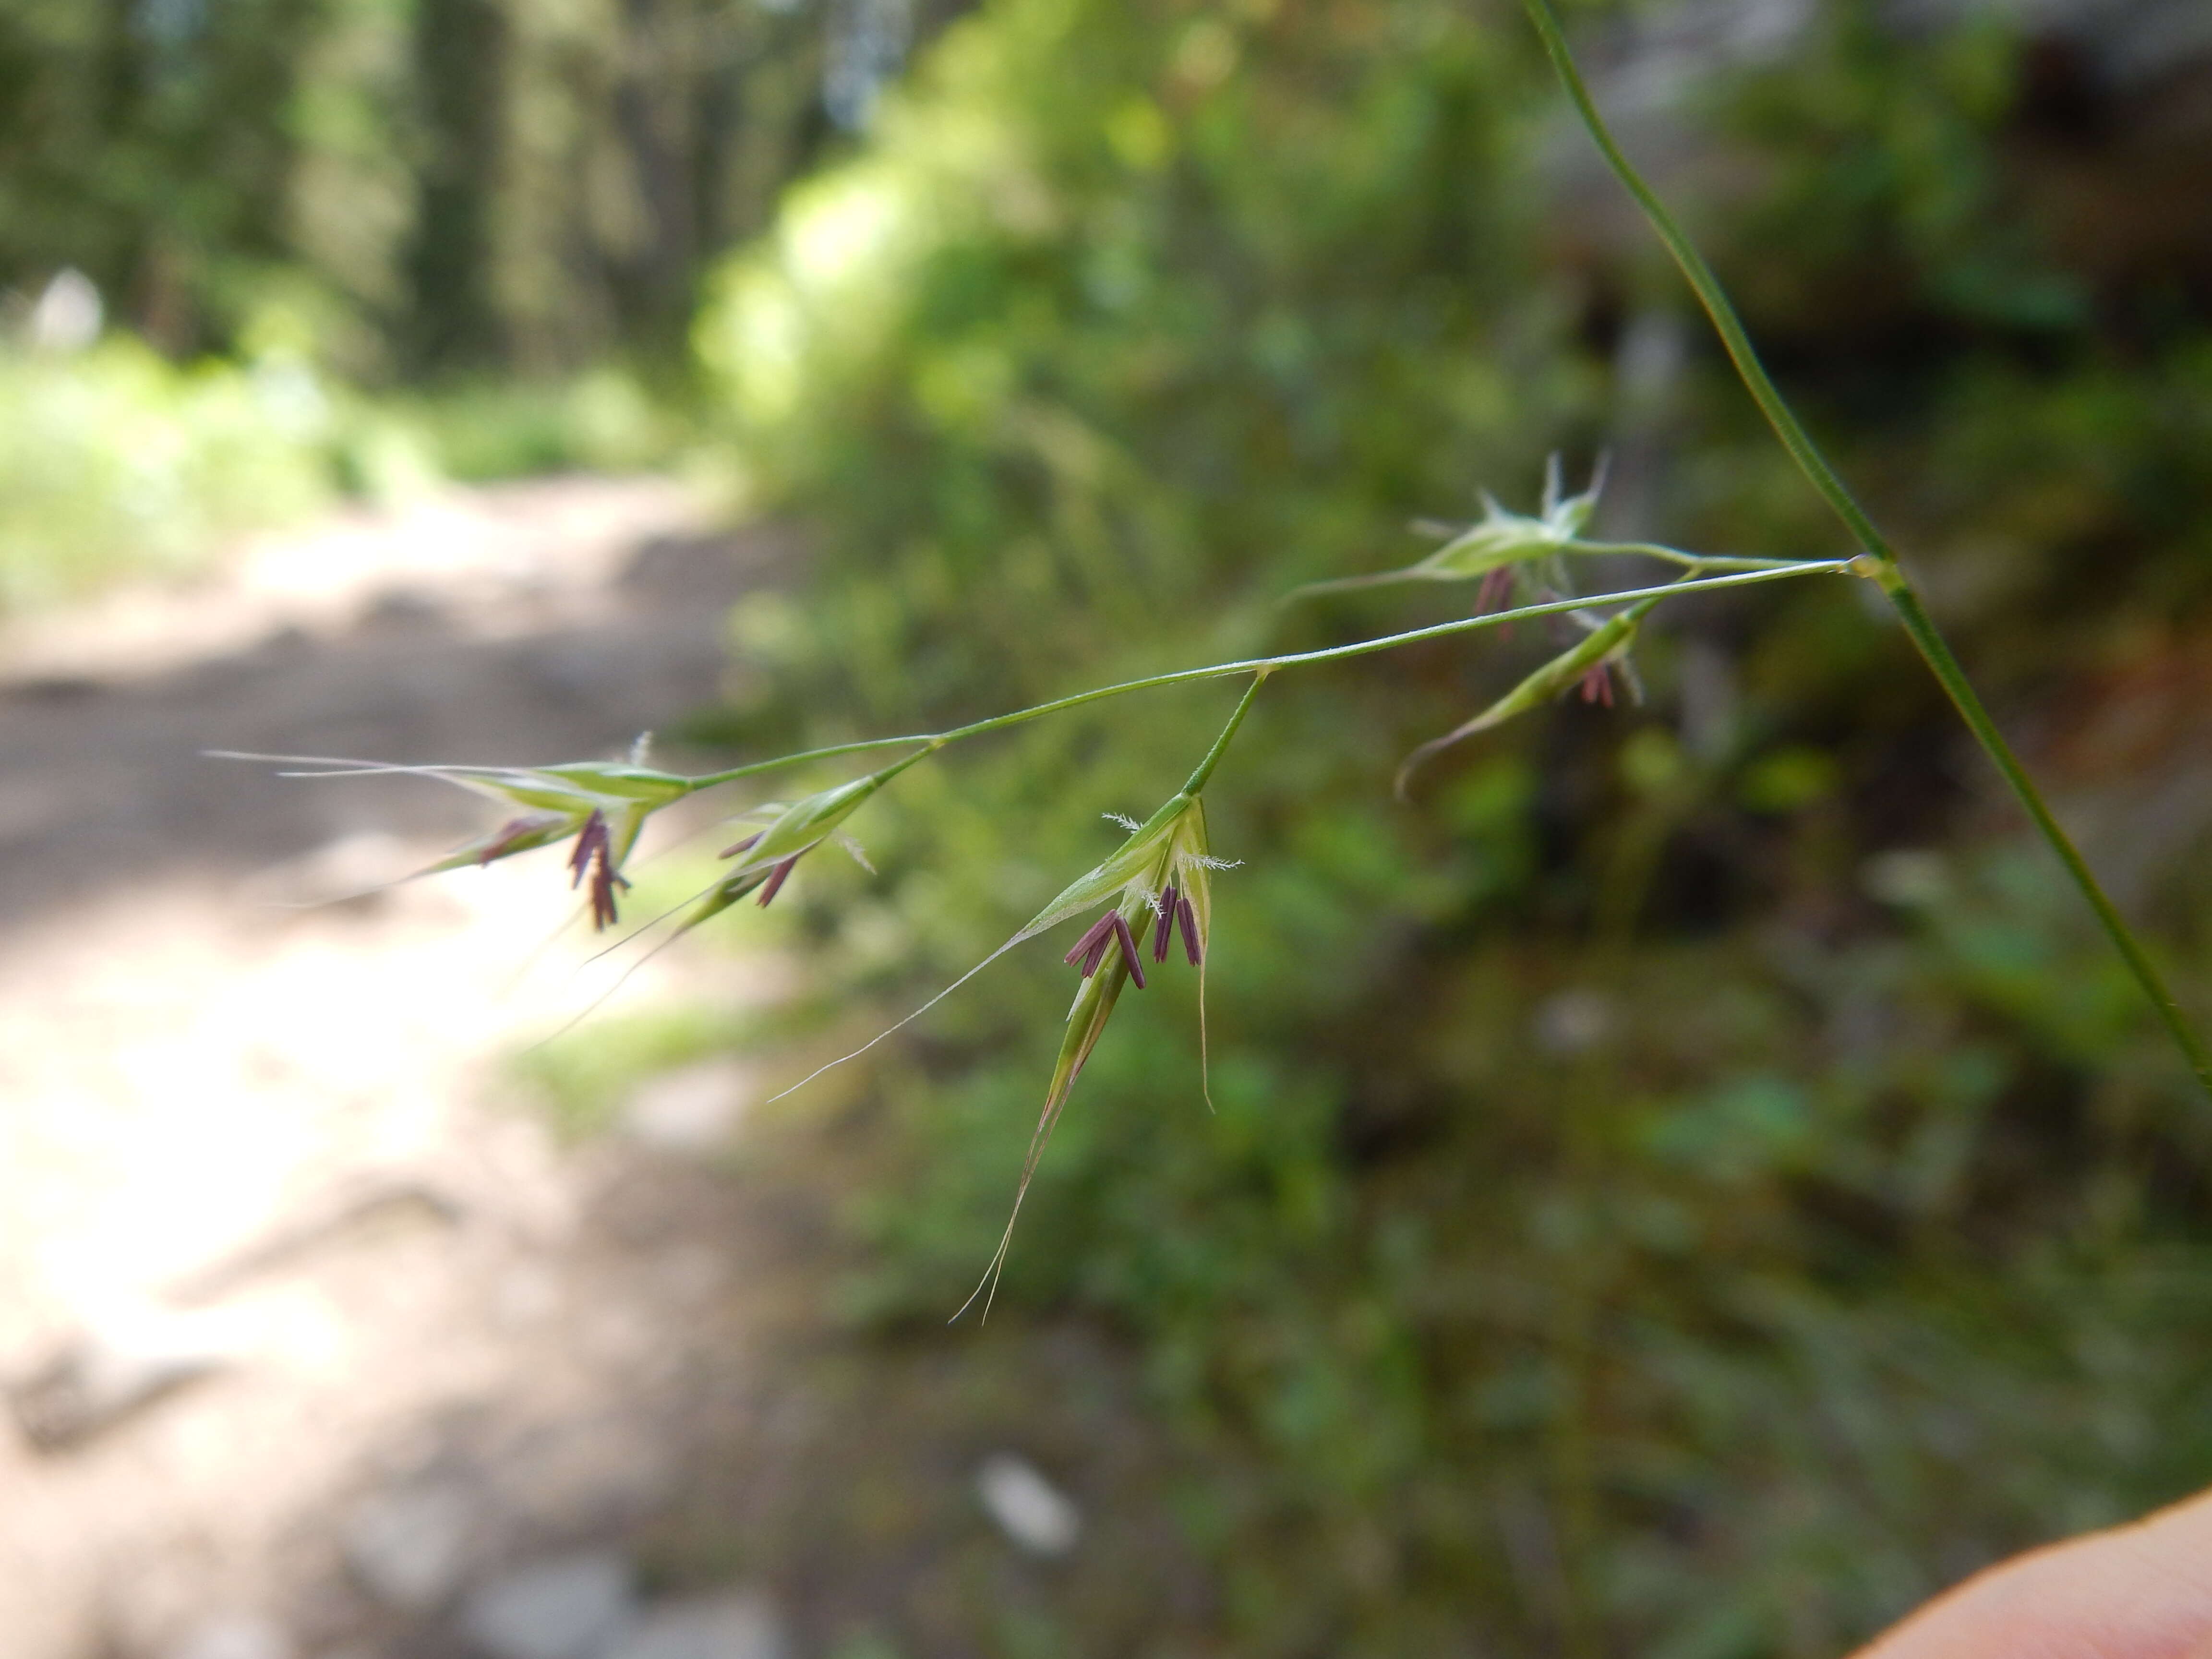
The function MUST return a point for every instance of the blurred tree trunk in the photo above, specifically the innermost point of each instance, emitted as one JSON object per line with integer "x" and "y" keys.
{"x": 460, "y": 49}
{"x": 421, "y": 185}
{"x": 584, "y": 163}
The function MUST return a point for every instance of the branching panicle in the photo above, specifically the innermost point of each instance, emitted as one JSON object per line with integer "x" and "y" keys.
{"x": 1158, "y": 883}
{"x": 1156, "y": 886}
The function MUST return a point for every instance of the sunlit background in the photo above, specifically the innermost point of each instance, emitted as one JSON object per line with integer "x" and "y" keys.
{"x": 1690, "y": 1183}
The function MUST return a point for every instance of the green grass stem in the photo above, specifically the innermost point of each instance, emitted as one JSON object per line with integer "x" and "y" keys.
{"x": 1196, "y": 781}
{"x": 1903, "y": 597}
{"x": 1263, "y": 666}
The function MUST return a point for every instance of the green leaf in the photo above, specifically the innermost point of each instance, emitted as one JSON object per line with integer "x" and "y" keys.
{"x": 1498, "y": 539}
{"x": 1608, "y": 643}
{"x": 798, "y": 828}
{"x": 1087, "y": 1023}
{"x": 616, "y": 780}
{"x": 516, "y": 836}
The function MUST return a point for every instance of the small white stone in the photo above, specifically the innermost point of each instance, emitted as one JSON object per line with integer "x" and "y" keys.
{"x": 410, "y": 1548}
{"x": 1030, "y": 1510}
{"x": 232, "y": 1639}
{"x": 68, "y": 312}
{"x": 693, "y": 1109}
{"x": 734, "y": 1625}
{"x": 568, "y": 1607}
{"x": 1909, "y": 877}
{"x": 121, "y": 1359}
{"x": 1574, "y": 1021}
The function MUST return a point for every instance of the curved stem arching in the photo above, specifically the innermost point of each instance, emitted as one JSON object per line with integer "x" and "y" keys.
{"x": 1903, "y": 597}
{"x": 927, "y": 742}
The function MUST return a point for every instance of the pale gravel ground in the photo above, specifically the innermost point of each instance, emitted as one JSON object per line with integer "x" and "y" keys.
{"x": 188, "y": 1070}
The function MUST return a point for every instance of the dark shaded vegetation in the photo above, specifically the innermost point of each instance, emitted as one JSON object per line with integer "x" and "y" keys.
{"x": 429, "y": 185}
{"x": 371, "y": 244}
{"x": 1694, "y": 1182}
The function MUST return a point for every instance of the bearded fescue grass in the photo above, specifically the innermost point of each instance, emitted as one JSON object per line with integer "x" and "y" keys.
{"x": 1160, "y": 877}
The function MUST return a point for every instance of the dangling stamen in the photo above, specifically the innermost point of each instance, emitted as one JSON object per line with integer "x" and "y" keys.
{"x": 1189, "y": 927}
{"x": 1094, "y": 936}
{"x": 1128, "y": 944}
{"x": 1597, "y": 684}
{"x": 732, "y": 852}
{"x": 603, "y": 883}
{"x": 776, "y": 880}
{"x": 589, "y": 841}
{"x": 594, "y": 853}
{"x": 1167, "y": 911}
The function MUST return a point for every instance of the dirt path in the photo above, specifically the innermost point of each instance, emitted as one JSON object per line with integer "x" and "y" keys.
{"x": 315, "y": 1341}
{"x": 307, "y": 1336}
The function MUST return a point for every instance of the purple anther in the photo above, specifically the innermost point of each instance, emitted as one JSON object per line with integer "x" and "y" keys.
{"x": 1189, "y": 927}
{"x": 594, "y": 854}
{"x": 1165, "y": 937}
{"x": 1597, "y": 685}
{"x": 1096, "y": 953}
{"x": 603, "y": 883}
{"x": 1128, "y": 944}
{"x": 591, "y": 841}
{"x": 1092, "y": 941}
{"x": 1495, "y": 592}
{"x": 732, "y": 852}
{"x": 776, "y": 880}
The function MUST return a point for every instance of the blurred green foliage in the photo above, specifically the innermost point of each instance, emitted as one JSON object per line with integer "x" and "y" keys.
{"x": 426, "y": 185}
{"x": 115, "y": 462}
{"x": 349, "y": 247}
{"x": 1690, "y": 1185}
{"x": 145, "y": 143}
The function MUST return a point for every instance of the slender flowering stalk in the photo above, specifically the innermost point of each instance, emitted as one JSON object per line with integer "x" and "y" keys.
{"x": 603, "y": 804}
{"x": 1501, "y": 542}
{"x": 1157, "y": 886}
{"x": 791, "y": 830}
{"x": 1170, "y": 847}
{"x": 1161, "y": 877}
{"x": 593, "y": 856}
{"x": 1880, "y": 562}
{"x": 559, "y": 801}
{"x": 933, "y": 740}
{"x": 1587, "y": 665}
